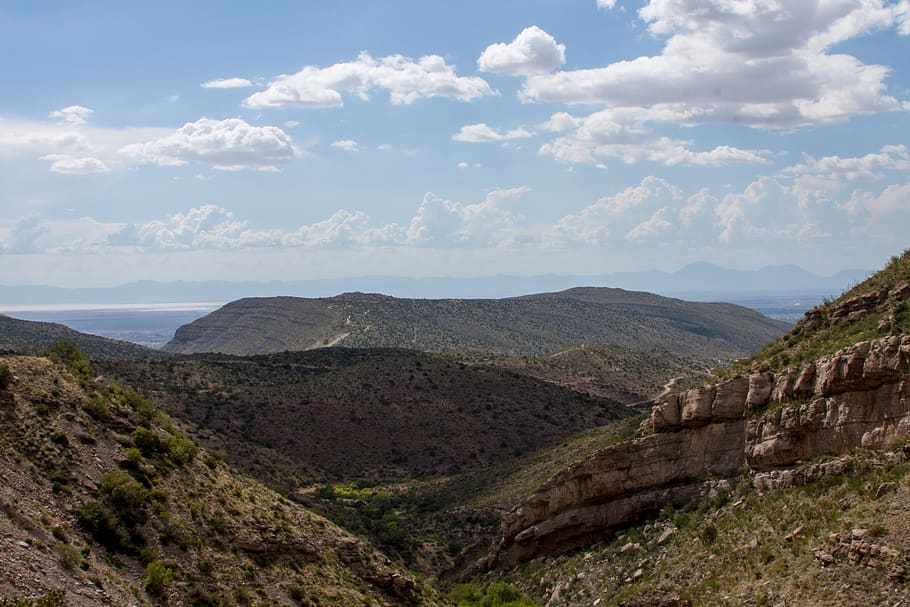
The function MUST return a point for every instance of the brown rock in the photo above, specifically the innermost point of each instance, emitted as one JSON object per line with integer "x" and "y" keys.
{"x": 665, "y": 415}
{"x": 857, "y": 397}
{"x": 730, "y": 399}
{"x": 666, "y": 535}
{"x": 759, "y": 391}
{"x": 696, "y": 406}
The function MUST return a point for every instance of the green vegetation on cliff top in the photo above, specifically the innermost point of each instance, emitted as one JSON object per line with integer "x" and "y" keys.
{"x": 877, "y": 307}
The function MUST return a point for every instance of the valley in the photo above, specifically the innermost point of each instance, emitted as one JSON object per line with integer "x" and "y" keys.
{"x": 537, "y": 470}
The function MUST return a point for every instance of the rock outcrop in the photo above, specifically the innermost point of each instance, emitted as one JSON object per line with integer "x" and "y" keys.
{"x": 707, "y": 436}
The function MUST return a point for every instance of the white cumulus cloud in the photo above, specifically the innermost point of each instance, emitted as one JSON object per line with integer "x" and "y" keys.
{"x": 625, "y": 133}
{"x": 481, "y": 133}
{"x": 759, "y": 63}
{"x": 595, "y": 223}
{"x": 73, "y": 115}
{"x": 406, "y": 81}
{"x": 441, "y": 222}
{"x": 226, "y": 145}
{"x": 227, "y": 83}
{"x": 533, "y": 51}
{"x": 821, "y": 179}
{"x": 348, "y": 145}
{"x": 69, "y": 165}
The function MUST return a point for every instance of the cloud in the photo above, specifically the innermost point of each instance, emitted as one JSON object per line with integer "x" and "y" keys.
{"x": 389, "y": 148}
{"x": 624, "y": 133}
{"x": 468, "y": 165}
{"x": 437, "y": 222}
{"x": 891, "y": 200}
{"x": 24, "y": 235}
{"x": 606, "y": 3}
{"x": 594, "y": 224}
{"x": 69, "y": 165}
{"x": 406, "y": 80}
{"x": 348, "y": 145}
{"x": 72, "y": 115}
{"x": 226, "y": 145}
{"x": 820, "y": 179}
{"x": 654, "y": 226}
{"x": 441, "y": 222}
{"x": 753, "y": 62}
{"x": 481, "y": 133}
{"x": 532, "y": 52}
{"x": 227, "y": 83}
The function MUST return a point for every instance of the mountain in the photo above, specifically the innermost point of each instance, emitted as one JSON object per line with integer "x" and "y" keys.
{"x": 16, "y": 335}
{"x": 533, "y": 324}
{"x": 695, "y": 278}
{"x": 105, "y": 503}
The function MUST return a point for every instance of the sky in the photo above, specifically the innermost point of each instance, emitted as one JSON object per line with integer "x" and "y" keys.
{"x": 295, "y": 140}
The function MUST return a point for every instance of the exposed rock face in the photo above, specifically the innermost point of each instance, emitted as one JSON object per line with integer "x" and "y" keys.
{"x": 857, "y": 397}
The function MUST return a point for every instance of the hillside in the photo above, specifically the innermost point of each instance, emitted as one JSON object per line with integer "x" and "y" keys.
{"x": 786, "y": 478}
{"x": 103, "y": 502}
{"x": 628, "y": 375}
{"x": 880, "y": 305}
{"x": 340, "y": 413}
{"x": 535, "y": 324}
{"x": 16, "y": 335}
{"x": 841, "y": 540}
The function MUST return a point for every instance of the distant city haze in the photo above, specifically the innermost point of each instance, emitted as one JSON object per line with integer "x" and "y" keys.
{"x": 148, "y": 312}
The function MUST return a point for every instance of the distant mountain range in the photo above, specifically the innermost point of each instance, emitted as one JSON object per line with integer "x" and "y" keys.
{"x": 694, "y": 280}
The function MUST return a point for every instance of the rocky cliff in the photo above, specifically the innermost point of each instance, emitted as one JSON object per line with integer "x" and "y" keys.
{"x": 707, "y": 438}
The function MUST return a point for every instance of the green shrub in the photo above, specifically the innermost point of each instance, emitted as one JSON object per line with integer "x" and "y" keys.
{"x": 498, "y": 594}
{"x": 125, "y": 493}
{"x": 97, "y": 409}
{"x": 67, "y": 353}
{"x": 148, "y": 441}
{"x": 158, "y": 576}
{"x": 134, "y": 456}
{"x": 181, "y": 450}
{"x": 465, "y": 595}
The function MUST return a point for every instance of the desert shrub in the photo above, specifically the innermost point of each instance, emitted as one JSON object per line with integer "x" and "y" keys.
{"x": 134, "y": 456}
{"x": 86, "y": 438}
{"x": 54, "y": 598}
{"x": 125, "y": 493}
{"x": 68, "y": 556}
{"x": 200, "y": 597}
{"x": 148, "y": 441}
{"x": 6, "y": 376}
{"x": 97, "y": 409}
{"x": 181, "y": 450}
{"x": 157, "y": 577}
{"x": 708, "y": 534}
{"x": 105, "y": 526}
{"x": 60, "y": 438}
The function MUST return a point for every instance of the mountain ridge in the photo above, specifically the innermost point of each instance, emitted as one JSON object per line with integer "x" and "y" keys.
{"x": 530, "y": 324}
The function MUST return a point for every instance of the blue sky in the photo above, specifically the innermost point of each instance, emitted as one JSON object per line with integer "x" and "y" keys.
{"x": 179, "y": 141}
